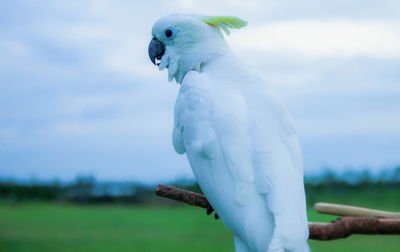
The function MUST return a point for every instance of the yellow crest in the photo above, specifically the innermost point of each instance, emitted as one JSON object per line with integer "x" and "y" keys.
{"x": 225, "y": 23}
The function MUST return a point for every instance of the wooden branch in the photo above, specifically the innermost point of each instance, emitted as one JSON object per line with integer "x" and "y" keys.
{"x": 345, "y": 226}
{"x": 188, "y": 197}
{"x": 344, "y": 210}
{"x": 341, "y": 228}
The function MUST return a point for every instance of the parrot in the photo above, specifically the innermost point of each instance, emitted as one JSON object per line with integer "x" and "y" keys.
{"x": 237, "y": 135}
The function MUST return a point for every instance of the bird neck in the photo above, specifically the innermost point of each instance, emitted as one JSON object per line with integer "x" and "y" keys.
{"x": 192, "y": 59}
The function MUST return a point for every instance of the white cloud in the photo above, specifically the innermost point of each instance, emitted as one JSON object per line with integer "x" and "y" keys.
{"x": 323, "y": 38}
{"x": 349, "y": 124}
{"x": 79, "y": 92}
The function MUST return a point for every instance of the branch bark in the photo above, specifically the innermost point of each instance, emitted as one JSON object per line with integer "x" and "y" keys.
{"x": 340, "y": 228}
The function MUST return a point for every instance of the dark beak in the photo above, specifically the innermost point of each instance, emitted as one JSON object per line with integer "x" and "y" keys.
{"x": 156, "y": 50}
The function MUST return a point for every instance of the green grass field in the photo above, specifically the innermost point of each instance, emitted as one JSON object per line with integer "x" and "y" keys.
{"x": 57, "y": 227}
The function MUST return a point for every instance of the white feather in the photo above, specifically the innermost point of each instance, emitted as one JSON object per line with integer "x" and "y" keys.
{"x": 239, "y": 141}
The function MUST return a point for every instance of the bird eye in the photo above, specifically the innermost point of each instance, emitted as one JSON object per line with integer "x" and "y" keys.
{"x": 168, "y": 33}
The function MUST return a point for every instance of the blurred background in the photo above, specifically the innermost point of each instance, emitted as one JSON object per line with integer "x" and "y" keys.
{"x": 86, "y": 119}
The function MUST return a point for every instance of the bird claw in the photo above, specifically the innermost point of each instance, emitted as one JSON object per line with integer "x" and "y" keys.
{"x": 210, "y": 209}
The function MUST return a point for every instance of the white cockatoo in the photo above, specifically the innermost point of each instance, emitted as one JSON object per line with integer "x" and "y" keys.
{"x": 236, "y": 133}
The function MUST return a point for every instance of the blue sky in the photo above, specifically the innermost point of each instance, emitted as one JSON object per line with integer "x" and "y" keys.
{"x": 78, "y": 94}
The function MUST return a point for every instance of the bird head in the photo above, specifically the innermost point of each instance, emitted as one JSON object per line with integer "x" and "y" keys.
{"x": 185, "y": 42}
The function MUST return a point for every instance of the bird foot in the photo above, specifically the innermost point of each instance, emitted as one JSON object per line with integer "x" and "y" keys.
{"x": 210, "y": 209}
